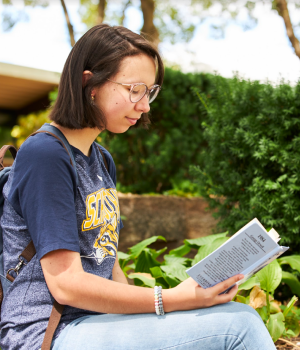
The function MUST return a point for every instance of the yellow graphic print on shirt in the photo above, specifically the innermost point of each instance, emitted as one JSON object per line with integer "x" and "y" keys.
{"x": 102, "y": 210}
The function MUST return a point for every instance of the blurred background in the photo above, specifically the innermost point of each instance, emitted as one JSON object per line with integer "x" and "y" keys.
{"x": 223, "y": 146}
{"x": 226, "y": 120}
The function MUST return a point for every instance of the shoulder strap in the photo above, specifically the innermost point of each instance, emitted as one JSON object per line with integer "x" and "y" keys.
{"x": 3, "y": 150}
{"x": 103, "y": 156}
{"x": 55, "y": 132}
{"x": 29, "y": 251}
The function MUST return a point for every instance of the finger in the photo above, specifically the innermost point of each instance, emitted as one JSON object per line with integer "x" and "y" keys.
{"x": 222, "y": 286}
{"x": 225, "y": 298}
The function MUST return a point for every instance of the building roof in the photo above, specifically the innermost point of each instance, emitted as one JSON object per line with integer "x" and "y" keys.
{"x": 21, "y": 86}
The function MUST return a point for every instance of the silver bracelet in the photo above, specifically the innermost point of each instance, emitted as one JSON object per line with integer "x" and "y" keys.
{"x": 159, "y": 308}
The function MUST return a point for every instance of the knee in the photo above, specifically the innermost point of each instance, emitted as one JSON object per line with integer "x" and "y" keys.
{"x": 246, "y": 315}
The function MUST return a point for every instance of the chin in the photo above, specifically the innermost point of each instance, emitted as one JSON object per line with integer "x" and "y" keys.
{"x": 118, "y": 130}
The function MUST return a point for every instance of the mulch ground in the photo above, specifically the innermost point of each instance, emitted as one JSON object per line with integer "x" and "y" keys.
{"x": 288, "y": 344}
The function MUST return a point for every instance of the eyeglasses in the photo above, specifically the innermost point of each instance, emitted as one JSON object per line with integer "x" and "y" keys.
{"x": 139, "y": 90}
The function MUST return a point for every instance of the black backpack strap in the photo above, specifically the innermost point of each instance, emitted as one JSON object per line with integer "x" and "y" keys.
{"x": 103, "y": 156}
{"x": 55, "y": 132}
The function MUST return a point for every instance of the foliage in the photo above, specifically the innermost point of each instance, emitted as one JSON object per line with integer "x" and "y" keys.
{"x": 250, "y": 167}
{"x": 158, "y": 159}
{"x": 28, "y": 124}
{"x": 5, "y": 136}
{"x": 141, "y": 265}
{"x": 177, "y": 22}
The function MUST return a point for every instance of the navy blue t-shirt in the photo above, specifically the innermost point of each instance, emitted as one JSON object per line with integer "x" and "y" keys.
{"x": 43, "y": 204}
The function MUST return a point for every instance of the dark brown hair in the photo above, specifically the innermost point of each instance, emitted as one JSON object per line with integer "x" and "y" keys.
{"x": 101, "y": 51}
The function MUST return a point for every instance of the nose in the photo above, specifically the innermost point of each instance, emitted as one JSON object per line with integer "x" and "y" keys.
{"x": 143, "y": 105}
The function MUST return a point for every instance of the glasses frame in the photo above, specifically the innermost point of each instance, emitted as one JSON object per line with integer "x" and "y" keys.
{"x": 147, "y": 90}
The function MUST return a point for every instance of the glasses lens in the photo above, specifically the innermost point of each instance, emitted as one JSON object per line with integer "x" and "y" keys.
{"x": 153, "y": 93}
{"x": 137, "y": 92}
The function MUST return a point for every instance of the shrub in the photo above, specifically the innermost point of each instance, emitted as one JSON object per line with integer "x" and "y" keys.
{"x": 158, "y": 159}
{"x": 250, "y": 167}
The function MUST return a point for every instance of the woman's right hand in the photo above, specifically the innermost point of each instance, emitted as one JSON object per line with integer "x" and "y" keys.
{"x": 188, "y": 295}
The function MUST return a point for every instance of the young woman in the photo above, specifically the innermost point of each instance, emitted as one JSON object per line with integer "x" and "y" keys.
{"x": 108, "y": 81}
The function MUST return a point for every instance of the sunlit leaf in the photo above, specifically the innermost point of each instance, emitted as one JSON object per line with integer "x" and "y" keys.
{"x": 145, "y": 278}
{"x": 198, "y": 242}
{"x": 290, "y": 305}
{"x": 205, "y": 250}
{"x": 240, "y": 299}
{"x": 157, "y": 253}
{"x": 274, "y": 307}
{"x": 180, "y": 251}
{"x": 270, "y": 276}
{"x": 292, "y": 260}
{"x": 172, "y": 259}
{"x": 123, "y": 256}
{"x": 249, "y": 284}
{"x": 276, "y": 325}
{"x": 162, "y": 278}
{"x": 136, "y": 250}
{"x": 263, "y": 313}
{"x": 292, "y": 281}
{"x": 175, "y": 270}
{"x": 145, "y": 261}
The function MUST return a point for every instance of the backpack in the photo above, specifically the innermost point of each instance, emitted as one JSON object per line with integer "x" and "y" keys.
{"x": 28, "y": 253}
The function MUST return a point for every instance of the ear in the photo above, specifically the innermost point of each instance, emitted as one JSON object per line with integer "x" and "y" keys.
{"x": 86, "y": 75}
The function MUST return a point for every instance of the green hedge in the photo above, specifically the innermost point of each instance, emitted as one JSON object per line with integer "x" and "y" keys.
{"x": 158, "y": 159}
{"x": 251, "y": 165}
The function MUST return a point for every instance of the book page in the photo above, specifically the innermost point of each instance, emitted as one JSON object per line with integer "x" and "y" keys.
{"x": 249, "y": 245}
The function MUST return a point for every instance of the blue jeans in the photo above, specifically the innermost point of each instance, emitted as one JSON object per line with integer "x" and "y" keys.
{"x": 227, "y": 326}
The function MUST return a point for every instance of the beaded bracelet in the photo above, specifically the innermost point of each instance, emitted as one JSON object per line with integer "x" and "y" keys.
{"x": 159, "y": 308}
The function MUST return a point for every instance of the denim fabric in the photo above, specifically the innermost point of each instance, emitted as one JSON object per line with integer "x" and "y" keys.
{"x": 231, "y": 326}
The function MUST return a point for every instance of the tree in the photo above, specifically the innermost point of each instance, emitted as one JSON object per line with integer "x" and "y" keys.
{"x": 176, "y": 21}
{"x": 10, "y": 16}
{"x": 282, "y": 9}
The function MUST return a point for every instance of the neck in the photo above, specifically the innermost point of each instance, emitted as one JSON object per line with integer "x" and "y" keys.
{"x": 79, "y": 138}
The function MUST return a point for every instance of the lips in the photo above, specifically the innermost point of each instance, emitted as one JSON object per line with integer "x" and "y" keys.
{"x": 132, "y": 121}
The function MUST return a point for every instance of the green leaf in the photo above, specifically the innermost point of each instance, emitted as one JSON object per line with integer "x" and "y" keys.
{"x": 173, "y": 259}
{"x": 249, "y": 284}
{"x": 180, "y": 251}
{"x": 263, "y": 313}
{"x": 147, "y": 282}
{"x": 136, "y": 250}
{"x": 292, "y": 324}
{"x": 145, "y": 261}
{"x": 198, "y": 242}
{"x": 156, "y": 272}
{"x": 292, "y": 281}
{"x": 172, "y": 281}
{"x": 270, "y": 276}
{"x": 289, "y": 333}
{"x": 162, "y": 278}
{"x": 292, "y": 260}
{"x": 290, "y": 305}
{"x": 276, "y": 325}
{"x": 205, "y": 250}
{"x": 123, "y": 256}
{"x": 157, "y": 253}
{"x": 240, "y": 299}
{"x": 176, "y": 270}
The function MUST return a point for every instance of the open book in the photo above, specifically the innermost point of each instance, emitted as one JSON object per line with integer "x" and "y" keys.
{"x": 246, "y": 252}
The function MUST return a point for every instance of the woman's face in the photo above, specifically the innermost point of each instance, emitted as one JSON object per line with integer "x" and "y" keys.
{"x": 113, "y": 99}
